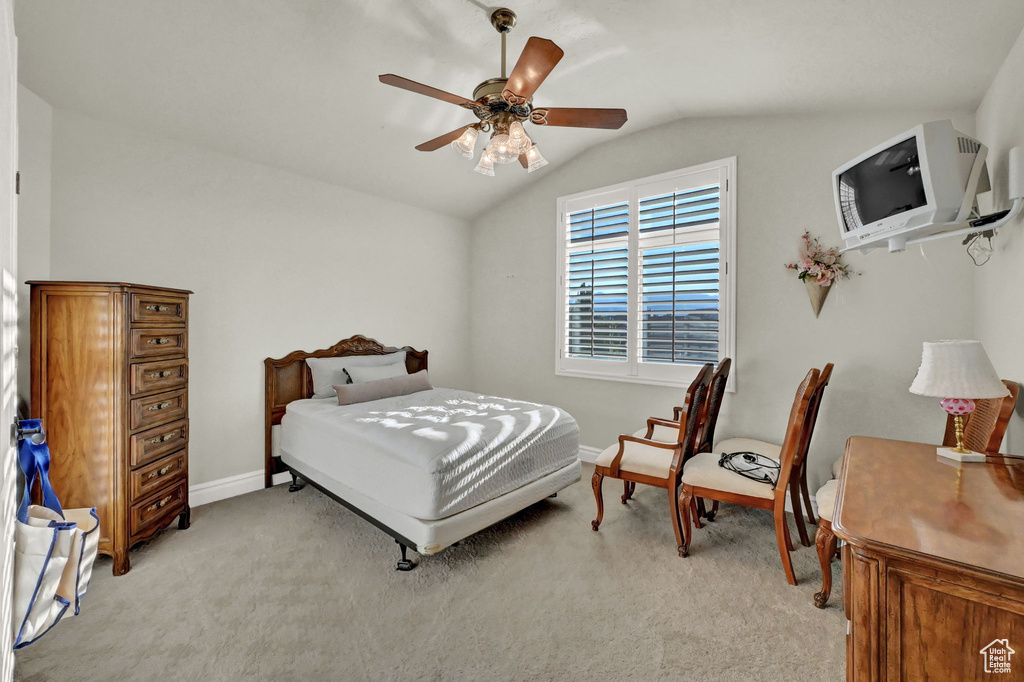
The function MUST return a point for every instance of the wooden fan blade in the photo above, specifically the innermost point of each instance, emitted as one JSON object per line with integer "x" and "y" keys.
{"x": 611, "y": 119}
{"x": 421, "y": 89}
{"x": 441, "y": 141}
{"x": 523, "y": 160}
{"x": 535, "y": 63}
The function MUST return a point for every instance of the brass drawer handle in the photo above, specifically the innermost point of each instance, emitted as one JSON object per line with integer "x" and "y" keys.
{"x": 161, "y": 503}
{"x": 158, "y": 308}
{"x": 164, "y": 438}
{"x": 158, "y": 342}
{"x": 161, "y": 406}
{"x": 161, "y": 375}
{"x": 160, "y": 472}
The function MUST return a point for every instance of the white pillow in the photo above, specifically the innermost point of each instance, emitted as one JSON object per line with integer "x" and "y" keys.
{"x": 360, "y": 375}
{"x": 328, "y": 372}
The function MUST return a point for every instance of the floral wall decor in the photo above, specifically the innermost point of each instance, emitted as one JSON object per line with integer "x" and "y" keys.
{"x": 819, "y": 269}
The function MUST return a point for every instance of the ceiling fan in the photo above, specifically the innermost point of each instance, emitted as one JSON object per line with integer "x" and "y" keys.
{"x": 504, "y": 104}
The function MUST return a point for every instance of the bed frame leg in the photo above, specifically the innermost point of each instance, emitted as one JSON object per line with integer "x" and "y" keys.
{"x": 404, "y": 564}
{"x": 295, "y": 486}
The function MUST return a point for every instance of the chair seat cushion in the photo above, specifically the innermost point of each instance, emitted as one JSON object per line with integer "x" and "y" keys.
{"x": 665, "y": 434}
{"x": 749, "y": 445}
{"x": 640, "y": 459}
{"x": 703, "y": 471}
{"x": 837, "y": 467}
{"x": 826, "y": 499}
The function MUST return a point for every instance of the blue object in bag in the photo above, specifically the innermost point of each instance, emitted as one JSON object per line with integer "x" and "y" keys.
{"x": 34, "y": 459}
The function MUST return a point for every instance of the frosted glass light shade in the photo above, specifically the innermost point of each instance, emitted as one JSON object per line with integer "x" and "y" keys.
{"x": 466, "y": 142}
{"x": 518, "y": 140}
{"x": 500, "y": 149}
{"x": 957, "y": 369}
{"x": 534, "y": 160}
{"x": 486, "y": 164}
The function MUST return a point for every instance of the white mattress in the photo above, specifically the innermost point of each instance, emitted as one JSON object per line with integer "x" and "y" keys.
{"x": 431, "y": 454}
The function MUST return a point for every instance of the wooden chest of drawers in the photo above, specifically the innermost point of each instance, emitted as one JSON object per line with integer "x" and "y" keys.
{"x": 110, "y": 381}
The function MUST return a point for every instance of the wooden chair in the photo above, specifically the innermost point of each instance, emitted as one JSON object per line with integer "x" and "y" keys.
{"x": 703, "y": 477}
{"x": 825, "y": 539}
{"x": 668, "y": 429}
{"x": 983, "y": 432}
{"x": 652, "y": 462}
{"x": 771, "y": 450}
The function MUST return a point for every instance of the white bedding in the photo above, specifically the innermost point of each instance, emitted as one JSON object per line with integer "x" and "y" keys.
{"x": 430, "y": 454}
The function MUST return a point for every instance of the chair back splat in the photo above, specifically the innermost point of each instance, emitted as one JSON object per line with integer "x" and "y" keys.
{"x": 986, "y": 426}
{"x": 713, "y": 405}
{"x": 812, "y": 417}
{"x": 690, "y": 427}
{"x": 796, "y": 433}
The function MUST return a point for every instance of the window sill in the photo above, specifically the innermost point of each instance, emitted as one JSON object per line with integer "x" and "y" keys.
{"x": 730, "y": 387}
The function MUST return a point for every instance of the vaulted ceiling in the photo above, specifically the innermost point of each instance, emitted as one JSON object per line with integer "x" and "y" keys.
{"x": 293, "y": 83}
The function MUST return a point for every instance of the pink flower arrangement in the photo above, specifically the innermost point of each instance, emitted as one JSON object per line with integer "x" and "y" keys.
{"x": 818, "y": 264}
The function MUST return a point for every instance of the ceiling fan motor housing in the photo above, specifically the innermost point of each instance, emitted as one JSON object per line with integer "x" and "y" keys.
{"x": 488, "y": 94}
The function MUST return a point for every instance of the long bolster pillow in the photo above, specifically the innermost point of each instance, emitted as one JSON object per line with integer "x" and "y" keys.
{"x": 349, "y": 394}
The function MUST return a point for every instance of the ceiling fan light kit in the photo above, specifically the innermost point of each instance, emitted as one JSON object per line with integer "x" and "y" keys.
{"x": 504, "y": 104}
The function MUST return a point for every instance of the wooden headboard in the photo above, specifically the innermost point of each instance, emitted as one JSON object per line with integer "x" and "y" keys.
{"x": 289, "y": 379}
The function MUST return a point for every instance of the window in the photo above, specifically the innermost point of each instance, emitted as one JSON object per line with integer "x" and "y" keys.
{"x": 646, "y": 292}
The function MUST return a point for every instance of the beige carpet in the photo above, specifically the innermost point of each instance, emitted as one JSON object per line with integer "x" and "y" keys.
{"x": 279, "y": 586}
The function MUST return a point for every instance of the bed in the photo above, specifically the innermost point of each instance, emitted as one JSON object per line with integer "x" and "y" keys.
{"x": 429, "y": 468}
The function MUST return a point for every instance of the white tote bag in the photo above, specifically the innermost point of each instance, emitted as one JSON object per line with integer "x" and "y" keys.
{"x": 54, "y": 549}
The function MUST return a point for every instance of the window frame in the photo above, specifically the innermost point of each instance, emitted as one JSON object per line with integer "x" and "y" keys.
{"x": 632, "y": 370}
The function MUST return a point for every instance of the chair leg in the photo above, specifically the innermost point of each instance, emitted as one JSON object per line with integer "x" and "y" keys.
{"x": 798, "y": 514}
{"x": 695, "y": 510}
{"x": 685, "y": 500}
{"x": 627, "y": 492}
{"x": 673, "y": 505}
{"x": 714, "y": 510}
{"x": 784, "y": 541}
{"x": 595, "y": 481}
{"x": 701, "y": 507}
{"x": 825, "y": 541}
{"x": 807, "y": 494}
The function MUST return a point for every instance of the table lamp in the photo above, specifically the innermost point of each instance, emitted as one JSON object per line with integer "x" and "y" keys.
{"x": 959, "y": 372}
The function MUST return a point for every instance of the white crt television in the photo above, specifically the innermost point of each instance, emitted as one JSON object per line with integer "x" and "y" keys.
{"x": 916, "y": 185}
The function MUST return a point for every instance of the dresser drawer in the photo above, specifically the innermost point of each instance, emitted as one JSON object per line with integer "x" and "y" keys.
{"x": 158, "y": 308}
{"x": 158, "y": 409}
{"x": 158, "y": 507}
{"x": 158, "y": 375}
{"x": 158, "y": 474}
{"x": 155, "y": 443}
{"x": 150, "y": 343}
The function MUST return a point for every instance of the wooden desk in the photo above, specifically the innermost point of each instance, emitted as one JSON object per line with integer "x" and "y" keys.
{"x": 933, "y": 568}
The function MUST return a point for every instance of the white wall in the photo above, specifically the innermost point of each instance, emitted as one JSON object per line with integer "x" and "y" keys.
{"x": 871, "y": 327}
{"x": 999, "y": 307}
{"x": 277, "y": 261}
{"x": 35, "y": 124}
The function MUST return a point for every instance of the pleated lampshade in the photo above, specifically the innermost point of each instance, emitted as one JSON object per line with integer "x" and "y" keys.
{"x": 957, "y": 369}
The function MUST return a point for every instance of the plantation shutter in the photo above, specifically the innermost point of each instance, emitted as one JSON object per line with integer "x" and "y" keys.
{"x": 597, "y": 281}
{"x": 679, "y": 304}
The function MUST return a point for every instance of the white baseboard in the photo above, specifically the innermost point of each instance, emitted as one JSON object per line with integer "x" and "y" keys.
{"x": 221, "y": 489}
{"x": 589, "y": 454}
